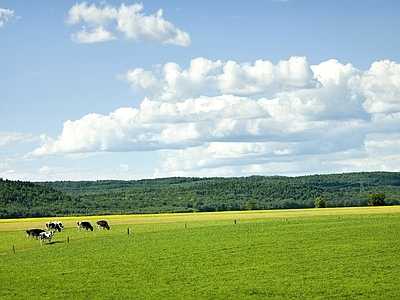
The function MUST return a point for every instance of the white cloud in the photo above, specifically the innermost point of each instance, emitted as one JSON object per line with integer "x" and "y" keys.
{"x": 91, "y": 15}
{"x": 131, "y": 23}
{"x": 321, "y": 116}
{"x": 335, "y": 99}
{"x": 159, "y": 125}
{"x": 385, "y": 123}
{"x": 123, "y": 168}
{"x": 174, "y": 84}
{"x": 7, "y": 15}
{"x": 98, "y": 34}
{"x": 94, "y": 133}
{"x": 171, "y": 83}
{"x": 45, "y": 170}
{"x": 380, "y": 85}
{"x": 8, "y": 138}
{"x": 263, "y": 77}
{"x": 4, "y": 166}
{"x": 139, "y": 79}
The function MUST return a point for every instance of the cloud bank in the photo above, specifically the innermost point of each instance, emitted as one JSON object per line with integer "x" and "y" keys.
{"x": 107, "y": 22}
{"x": 250, "y": 118}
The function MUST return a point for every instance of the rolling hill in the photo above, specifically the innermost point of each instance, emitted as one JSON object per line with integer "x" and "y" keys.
{"x": 191, "y": 194}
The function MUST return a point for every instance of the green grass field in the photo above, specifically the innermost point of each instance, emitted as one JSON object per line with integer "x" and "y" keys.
{"x": 348, "y": 253}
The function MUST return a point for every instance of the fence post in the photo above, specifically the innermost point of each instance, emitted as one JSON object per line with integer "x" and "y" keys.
{"x": 128, "y": 231}
{"x": 13, "y": 249}
{"x": 235, "y": 221}
{"x": 68, "y": 239}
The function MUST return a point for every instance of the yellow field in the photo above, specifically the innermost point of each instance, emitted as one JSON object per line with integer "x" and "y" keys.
{"x": 26, "y": 223}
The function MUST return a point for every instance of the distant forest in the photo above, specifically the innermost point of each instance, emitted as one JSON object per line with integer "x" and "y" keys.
{"x": 191, "y": 194}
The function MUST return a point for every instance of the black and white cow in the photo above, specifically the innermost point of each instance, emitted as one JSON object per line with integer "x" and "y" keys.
{"x": 33, "y": 233}
{"x": 57, "y": 225}
{"x": 103, "y": 224}
{"x": 46, "y": 236}
{"x": 85, "y": 225}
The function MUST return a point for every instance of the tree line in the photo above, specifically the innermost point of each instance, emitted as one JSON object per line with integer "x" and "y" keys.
{"x": 192, "y": 194}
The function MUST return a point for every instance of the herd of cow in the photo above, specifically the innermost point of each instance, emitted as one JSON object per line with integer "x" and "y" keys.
{"x": 52, "y": 227}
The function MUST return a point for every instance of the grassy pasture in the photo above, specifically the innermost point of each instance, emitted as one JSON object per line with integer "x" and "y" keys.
{"x": 347, "y": 253}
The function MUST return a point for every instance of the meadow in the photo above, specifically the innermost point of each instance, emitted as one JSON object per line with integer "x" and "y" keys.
{"x": 342, "y": 253}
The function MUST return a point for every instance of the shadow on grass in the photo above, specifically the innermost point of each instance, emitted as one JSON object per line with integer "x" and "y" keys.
{"x": 56, "y": 242}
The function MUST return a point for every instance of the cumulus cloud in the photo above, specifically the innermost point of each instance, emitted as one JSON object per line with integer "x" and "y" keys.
{"x": 172, "y": 83}
{"x": 7, "y": 15}
{"x": 98, "y": 34}
{"x": 331, "y": 115}
{"x": 107, "y": 23}
{"x": 263, "y": 77}
{"x": 337, "y": 97}
{"x": 380, "y": 85}
{"x": 158, "y": 125}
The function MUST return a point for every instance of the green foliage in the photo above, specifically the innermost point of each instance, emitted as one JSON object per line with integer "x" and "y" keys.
{"x": 320, "y": 202}
{"x": 187, "y": 194}
{"x": 298, "y": 258}
{"x": 377, "y": 199}
{"x": 251, "y": 204}
{"x": 26, "y": 199}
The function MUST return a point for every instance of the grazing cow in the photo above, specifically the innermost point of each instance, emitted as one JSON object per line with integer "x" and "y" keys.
{"x": 57, "y": 225}
{"x": 33, "y": 233}
{"x": 103, "y": 224}
{"x": 46, "y": 236}
{"x": 85, "y": 225}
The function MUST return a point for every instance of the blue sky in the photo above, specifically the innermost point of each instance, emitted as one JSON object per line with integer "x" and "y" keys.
{"x": 129, "y": 90}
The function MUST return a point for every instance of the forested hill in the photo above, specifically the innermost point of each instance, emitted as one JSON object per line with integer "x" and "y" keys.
{"x": 27, "y": 199}
{"x": 188, "y": 194}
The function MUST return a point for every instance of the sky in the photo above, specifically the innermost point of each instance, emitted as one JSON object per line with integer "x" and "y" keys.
{"x": 96, "y": 90}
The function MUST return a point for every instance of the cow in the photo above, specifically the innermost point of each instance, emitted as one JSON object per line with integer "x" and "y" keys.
{"x": 85, "y": 225}
{"x": 46, "y": 236}
{"x": 33, "y": 233}
{"x": 103, "y": 224}
{"x": 57, "y": 225}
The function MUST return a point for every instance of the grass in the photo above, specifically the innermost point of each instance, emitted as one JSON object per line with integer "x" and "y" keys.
{"x": 305, "y": 254}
